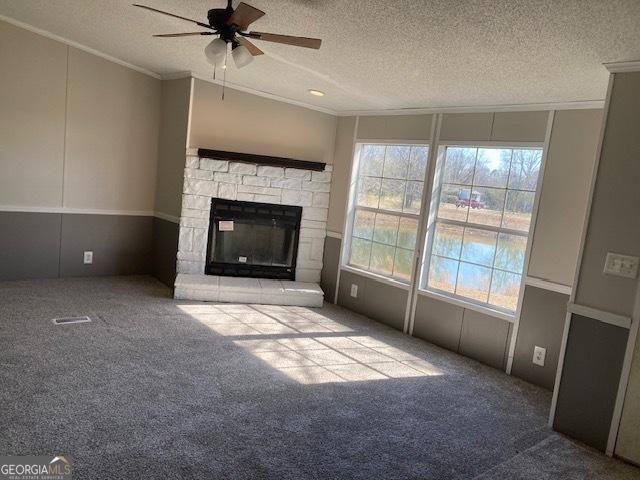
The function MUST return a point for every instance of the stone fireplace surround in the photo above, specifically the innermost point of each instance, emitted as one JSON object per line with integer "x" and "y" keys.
{"x": 206, "y": 178}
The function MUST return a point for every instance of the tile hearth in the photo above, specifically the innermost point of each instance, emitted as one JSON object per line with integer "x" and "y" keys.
{"x": 211, "y": 288}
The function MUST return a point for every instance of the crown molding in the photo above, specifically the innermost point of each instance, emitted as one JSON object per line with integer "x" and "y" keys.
{"x": 79, "y": 46}
{"x": 252, "y": 91}
{"x": 623, "y": 67}
{"x": 614, "y": 67}
{"x": 176, "y": 75}
{"x": 524, "y": 107}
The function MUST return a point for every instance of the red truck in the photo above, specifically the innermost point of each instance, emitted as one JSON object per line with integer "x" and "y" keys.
{"x": 473, "y": 200}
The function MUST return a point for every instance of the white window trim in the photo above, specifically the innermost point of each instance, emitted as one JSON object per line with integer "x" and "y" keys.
{"x": 490, "y": 144}
{"x": 387, "y": 142}
{"x": 374, "y": 276}
{"x": 467, "y": 304}
{"x": 352, "y": 206}
{"x": 434, "y": 201}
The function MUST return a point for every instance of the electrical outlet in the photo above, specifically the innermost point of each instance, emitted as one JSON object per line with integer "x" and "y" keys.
{"x": 354, "y": 290}
{"x": 621, "y": 265}
{"x": 539, "y": 355}
{"x": 88, "y": 258}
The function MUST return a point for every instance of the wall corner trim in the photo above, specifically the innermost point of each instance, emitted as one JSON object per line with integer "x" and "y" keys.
{"x": 600, "y": 315}
{"x": 167, "y": 217}
{"x": 623, "y": 67}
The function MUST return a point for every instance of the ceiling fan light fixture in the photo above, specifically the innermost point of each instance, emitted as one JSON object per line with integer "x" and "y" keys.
{"x": 316, "y": 93}
{"x": 241, "y": 56}
{"x": 216, "y": 51}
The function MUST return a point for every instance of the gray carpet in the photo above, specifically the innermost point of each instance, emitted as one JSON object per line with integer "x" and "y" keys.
{"x": 157, "y": 388}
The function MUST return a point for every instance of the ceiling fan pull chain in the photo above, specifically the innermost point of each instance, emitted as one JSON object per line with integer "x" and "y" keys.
{"x": 224, "y": 74}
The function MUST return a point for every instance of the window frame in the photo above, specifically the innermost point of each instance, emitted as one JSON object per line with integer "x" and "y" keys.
{"x": 422, "y": 287}
{"x": 352, "y": 207}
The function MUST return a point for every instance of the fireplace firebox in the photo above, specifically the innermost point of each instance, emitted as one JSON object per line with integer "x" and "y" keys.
{"x": 248, "y": 239}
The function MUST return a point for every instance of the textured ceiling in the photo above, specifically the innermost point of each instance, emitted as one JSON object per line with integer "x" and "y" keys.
{"x": 377, "y": 54}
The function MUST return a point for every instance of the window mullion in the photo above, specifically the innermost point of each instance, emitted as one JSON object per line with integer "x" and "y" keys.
{"x": 387, "y": 212}
{"x": 479, "y": 226}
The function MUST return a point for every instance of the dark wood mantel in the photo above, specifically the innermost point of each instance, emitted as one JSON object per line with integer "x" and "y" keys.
{"x": 261, "y": 159}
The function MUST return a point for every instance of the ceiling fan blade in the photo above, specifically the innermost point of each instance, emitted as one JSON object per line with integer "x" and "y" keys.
{"x": 183, "y": 34}
{"x": 287, "y": 39}
{"x": 244, "y": 15}
{"x": 173, "y": 15}
{"x": 253, "y": 50}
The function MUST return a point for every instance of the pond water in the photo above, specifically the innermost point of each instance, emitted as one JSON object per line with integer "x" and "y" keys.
{"x": 477, "y": 264}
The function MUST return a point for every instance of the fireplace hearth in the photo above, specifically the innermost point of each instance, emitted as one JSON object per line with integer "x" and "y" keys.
{"x": 249, "y": 239}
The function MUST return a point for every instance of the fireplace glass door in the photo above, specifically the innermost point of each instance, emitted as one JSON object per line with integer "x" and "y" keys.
{"x": 253, "y": 239}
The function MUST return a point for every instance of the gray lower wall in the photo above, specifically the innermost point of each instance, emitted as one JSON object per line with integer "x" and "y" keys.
{"x": 49, "y": 245}
{"x": 121, "y": 245}
{"x": 376, "y": 300}
{"x": 590, "y": 377}
{"x": 164, "y": 250}
{"x": 330, "y": 265}
{"x": 541, "y": 324}
{"x": 485, "y": 338}
{"x": 29, "y": 245}
{"x": 438, "y": 322}
{"x": 470, "y": 333}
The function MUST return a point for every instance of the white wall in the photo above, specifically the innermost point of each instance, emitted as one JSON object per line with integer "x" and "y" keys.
{"x": 113, "y": 119}
{"x": 565, "y": 191}
{"x": 247, "y": 123}
{"x": 395, "y": 127}
{"x": 32, "y": 118}
{"x": 172, "y": 144}
{"x": 76, "y": 130}
{"x": 613, "y": 223}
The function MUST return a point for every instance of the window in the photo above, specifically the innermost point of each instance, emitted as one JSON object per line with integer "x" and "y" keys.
{"x": 483, "y": 202}
{"x": 387, "y": 203}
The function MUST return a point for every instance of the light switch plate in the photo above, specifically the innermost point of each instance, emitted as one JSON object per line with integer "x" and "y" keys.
{"x": 621, "y": 265}
{"x": 354, "y": 290}
{"x": 539, "y": 354}
{"x": 88, "y": 258}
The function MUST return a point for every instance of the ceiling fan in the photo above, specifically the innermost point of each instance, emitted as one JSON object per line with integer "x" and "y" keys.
{"x": 230, "y": 25}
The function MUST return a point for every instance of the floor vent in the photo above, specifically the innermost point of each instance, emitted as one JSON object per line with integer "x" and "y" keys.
{"x": 68, "y": 320}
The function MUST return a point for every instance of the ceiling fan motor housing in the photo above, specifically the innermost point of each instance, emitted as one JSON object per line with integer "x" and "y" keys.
{"x": 218, "y": 18}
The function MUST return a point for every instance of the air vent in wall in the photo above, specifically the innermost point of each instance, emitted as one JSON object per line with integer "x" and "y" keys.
{"x": 70, "y": 320}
